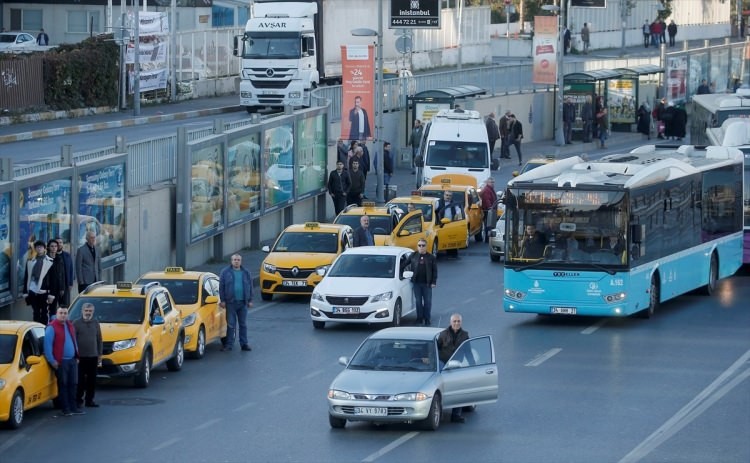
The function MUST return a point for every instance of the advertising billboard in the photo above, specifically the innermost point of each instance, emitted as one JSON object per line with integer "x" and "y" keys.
{"x": 311, "y": 147}
{"x": 358, "y": 91}
{"x": 545, "y": 44}
{"x": 278, "y": 161}
{"x": 5, "y": 244}
{"x": 621, "y": 101}
{"x": 243, "y": 178}
{"x": 206, "y": 189}
{"x": 101, "y": 209}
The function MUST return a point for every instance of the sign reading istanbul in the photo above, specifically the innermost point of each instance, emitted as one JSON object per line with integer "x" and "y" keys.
{"x": 415, "y": 14}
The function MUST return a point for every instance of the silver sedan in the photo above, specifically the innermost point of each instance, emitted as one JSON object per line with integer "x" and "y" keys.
{"x": 395, "y": 376}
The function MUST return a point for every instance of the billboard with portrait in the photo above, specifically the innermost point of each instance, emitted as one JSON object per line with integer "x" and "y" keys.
{"x": 43, "y": 213}
{"x": 5, "y": 244}
{"x": 243, "y": 177}
{"x": 311, "y": 148}
{"x": 101, "y": 210}
{"x": 278, "y": 163}
{"x": 206, "y": 188}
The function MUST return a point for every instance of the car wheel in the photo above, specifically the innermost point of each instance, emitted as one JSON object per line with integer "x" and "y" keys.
{"x": 396, "y": 314}
{"x": 178, "y": 358}
{"x": 143, "y": 378}
{"x": 432, "y": 422}
{"x": 15, "y": 417}
{"x": 266, "y": 296}
{"x": 200, "y": 349}
{"x": 336, "y": 423}
{"x": 435, "y": 248}
{"x": 318, "y": 325}
{"x": 494, "y": 258}
{"x": 653, "y": 298}
{"x": 713, "y": 276}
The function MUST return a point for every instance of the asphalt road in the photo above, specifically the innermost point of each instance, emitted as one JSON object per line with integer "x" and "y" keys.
{"x": 670, "y": 389}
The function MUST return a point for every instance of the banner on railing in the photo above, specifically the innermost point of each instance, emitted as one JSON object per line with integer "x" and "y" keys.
{"x": 358, "y": 90}
{"x": 545, "y": 46}
{"x": 149, "y": 52}
{"x": 150, "y": 80}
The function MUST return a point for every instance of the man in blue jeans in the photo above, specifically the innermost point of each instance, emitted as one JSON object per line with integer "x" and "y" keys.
{"x": 236, "y": 293}
{"x": 424, "y": 279}
{"x": 61, "y": 351}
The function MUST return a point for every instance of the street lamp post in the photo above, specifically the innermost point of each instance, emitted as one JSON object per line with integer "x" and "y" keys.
{"x": 378, "y": 134}
{"x": 560, "y": 12}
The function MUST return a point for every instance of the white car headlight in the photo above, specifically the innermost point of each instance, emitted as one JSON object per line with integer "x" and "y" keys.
{"x": 270, "y": 268}
{"x": 382, "y": 297}
{"x": 318, "y": 297}
{"x": 124, "y": 344}
{"x": 336, "y": 394}
{"x": 189, "y": 320}
{"x": 411, "y": 396}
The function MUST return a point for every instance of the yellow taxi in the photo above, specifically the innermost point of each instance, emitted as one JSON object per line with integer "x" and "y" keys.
{"x": 464, "y": 189}
{"x": 441, "y": 235}
{"x": 532, "y": 164}
{"x": 296, "y": 262}
{"x": 141, "y": 328}
{"x": 26, "y": 379}
{"x": 382, "y": 219}
{"x": 196, "y": 294}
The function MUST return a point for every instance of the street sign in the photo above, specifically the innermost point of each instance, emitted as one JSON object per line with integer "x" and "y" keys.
{"x": 404, "y": 44}
{"x": 415, "y": 14}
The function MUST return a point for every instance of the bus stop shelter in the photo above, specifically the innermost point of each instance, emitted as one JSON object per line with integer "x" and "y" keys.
{"x": 580, "y": 86}
{"x": 636, "y": 85}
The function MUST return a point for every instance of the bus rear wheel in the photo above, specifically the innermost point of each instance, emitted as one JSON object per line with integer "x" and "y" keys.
{"x": 713, "y": 276}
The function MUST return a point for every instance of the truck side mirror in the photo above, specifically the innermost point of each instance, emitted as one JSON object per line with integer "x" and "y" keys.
{"x": 236, "y": 45}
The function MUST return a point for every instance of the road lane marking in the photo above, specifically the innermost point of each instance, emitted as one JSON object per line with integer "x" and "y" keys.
{"x": 207, "y": 424}
{"x": 401, "y": 440}
{"x": 700, "y": 403}
{"x": 167, "y": 443}
{"x": 544, "y": 357}
{"x": 487, "y": 291}
{"x": 470, "y": 300}
{"x": 244, "y": 406}
{"x": 261, "y": 307}
{"x": 594, "y": 327}
{"x": 20, "y": 435}
{"x": 313, "y": 374}
{"x": 279, "y": 390}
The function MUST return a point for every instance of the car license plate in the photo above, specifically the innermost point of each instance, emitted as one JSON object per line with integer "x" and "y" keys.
{"x": 564, "y": 310}
{"x": 346, "y": 310}
{"x": 371, "y": 411}
{"x": 294, "y": 283}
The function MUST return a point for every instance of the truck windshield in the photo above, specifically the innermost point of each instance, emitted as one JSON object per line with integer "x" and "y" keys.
{"x": 272, "y": 46}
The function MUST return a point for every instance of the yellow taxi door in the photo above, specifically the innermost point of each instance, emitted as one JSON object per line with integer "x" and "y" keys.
{"x": 474, "y": 214}
{"x": 156, "y": 331}
{"x": 409, "y": 231}
{"x": 216, "y": 325}
{"x": 452, "y": 235}
{"x": 172, "y": 323}
{"x": 38, "y": 380}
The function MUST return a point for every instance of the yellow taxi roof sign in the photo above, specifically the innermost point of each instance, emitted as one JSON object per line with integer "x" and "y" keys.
{"x": 455, "y": 179}
{"x": 416, "y": 193}
{"x": 368, "y": 203}
{"x": 174, "y": 270}
{"x": 312, "y": 225}
{"x": 124, "y": 285}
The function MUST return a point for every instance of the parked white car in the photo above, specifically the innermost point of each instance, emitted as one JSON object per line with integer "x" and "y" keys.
{"x": 17, "y": 41}
{"x": 368, "y": 284}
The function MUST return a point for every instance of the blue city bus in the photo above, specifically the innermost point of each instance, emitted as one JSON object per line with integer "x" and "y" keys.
{"x": 736, "y": 133}
{"x": 622, "y": 234}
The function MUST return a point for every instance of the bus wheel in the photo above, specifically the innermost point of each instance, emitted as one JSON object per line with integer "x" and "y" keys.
{"x": 653, "y": 298}
{"x": 713, "y": 276}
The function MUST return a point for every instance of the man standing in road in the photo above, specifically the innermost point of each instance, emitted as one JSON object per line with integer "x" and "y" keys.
{"x": 61, "y": 351}
{"x": 90, "y": 350}
{"x": 88, "y": 263}
{"x": 414, "y": 139}
{"x": 489, "y": 198}
{"x": 449, "y": 340}
{"x": 236, "y": 294}
{"x": 338, "y": 186}
{"x": 424, "y": 279}
{"x": 569, "y": 118}
{"x": 362, "y": 235}
{"x": 493, "y": 132}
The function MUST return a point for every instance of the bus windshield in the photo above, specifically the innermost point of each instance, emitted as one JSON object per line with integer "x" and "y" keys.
{"x": 442, "y": 153}
{"x": 278, "y": 45}
{"x": 565, "y": 228}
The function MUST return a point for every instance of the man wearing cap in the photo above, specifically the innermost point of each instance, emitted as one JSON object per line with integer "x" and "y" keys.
{"x": 36, "y": 283}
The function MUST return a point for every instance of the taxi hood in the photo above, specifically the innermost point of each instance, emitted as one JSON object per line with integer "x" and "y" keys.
{"x": 299, "y": 259}
{"x": 119, "y": 331}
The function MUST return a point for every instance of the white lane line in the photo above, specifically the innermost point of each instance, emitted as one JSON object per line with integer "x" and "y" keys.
{"x": 167, "y": 443}
{"x": 401, "y": 440}
{"x": 470, "y": 300}
{"x": 20, "y": 435}
{"x": 487, "y": 291}
{"x": 280, "y": 390}
{"x": 312, "y": 375}
{"x": 261, "y": 307}
{"x": 244, "y": 406}
{"x": 594, "y": 327}
{"x": 538, "y": 360}
{"x": 700, "y": 403}
{"x": 207, "y": 424}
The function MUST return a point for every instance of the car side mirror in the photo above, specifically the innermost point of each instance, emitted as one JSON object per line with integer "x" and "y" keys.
{"x": 33, "y": 360}
{"x": 212, "y": 299}
{"x": 404, "y": 233}
{"x": 157, "y": 320}
{"x": 452, "y": 365}
{"x": 515, "y": 173}
{"x": 444, "y": 221}
{"x": 493, "y": 233}
{"x": 266, "y": 248}
{"x": 344, "y": 360}
{"x": 408, "y": 275}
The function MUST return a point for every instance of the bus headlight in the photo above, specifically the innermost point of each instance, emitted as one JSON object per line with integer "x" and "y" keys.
{"x": 513, "y": 294}
{"x": 615, "y": 298}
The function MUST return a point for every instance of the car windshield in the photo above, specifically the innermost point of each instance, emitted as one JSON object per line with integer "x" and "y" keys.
{"x": 457, "y": 154}
{"x": 459, "y": 197}
{"x": 425, "y": 208}
{"x": 395, "y": 355}
{"x": 182, "y": 291}
{"x": 128, "y": 310}
{"x": 7, "y": 348}
{"x": 363, "y": 266}
{"x": 307, "y": 242}
{"x": 379, "y": 224}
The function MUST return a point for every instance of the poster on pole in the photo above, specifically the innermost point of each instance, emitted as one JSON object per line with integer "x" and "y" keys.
{"x": 545, "y": 50}
{"x": 6, "y": 244}
{"x": 677, "y": 78}
{"x": 358, "y": 91}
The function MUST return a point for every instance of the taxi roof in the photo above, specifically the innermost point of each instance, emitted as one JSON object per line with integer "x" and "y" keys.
{"x": 175, "y": 273}
{"x": 316, "y": 227}
{"x": 378, "y": 250}
{"x": 415, "y": 199}
{"x": 365, "y": 210}
{"x": 14, "y": 326}
{"x": 119, "y": 288}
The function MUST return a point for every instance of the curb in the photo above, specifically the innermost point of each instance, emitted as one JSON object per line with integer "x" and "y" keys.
{"x": 75, "y": 129}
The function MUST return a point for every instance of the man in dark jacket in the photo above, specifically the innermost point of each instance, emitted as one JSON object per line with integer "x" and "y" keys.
{"x": 493, "y": 131}
{"x": 90, "y": 350}
{"x": 55, "y": 277}
{"x": 449, "y": 340}
{"x": 672, "y": 29}
{"x": 356, "y": 184}
{"x": 236, "y": 295}
{"x": 338, "y": 186}
{"x": 362, "y": 235}
{"x": 423, "y": 264}
{"x": 569, "y": 118}
{"x": 342, "y": 152}
{"x": 36, "y": 285}
{"x": 70, "y": 275}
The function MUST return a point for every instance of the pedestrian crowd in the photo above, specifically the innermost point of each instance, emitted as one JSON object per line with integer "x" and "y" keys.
{"x": 347, "y": 182}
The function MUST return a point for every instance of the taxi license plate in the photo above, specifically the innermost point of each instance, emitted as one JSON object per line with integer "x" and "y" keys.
{"x": 294, "y": 283}
{"x": 346, "y": 310}
{"x": 371, "y": 411}
{"x": 564, "y": 310}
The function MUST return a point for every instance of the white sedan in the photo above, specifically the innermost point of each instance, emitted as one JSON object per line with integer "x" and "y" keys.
{"x": 17, "y": 41}
{"x": 368, "y": 284}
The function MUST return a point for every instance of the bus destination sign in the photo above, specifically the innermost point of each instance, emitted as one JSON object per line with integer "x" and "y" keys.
{"x": 415, "y": 14}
